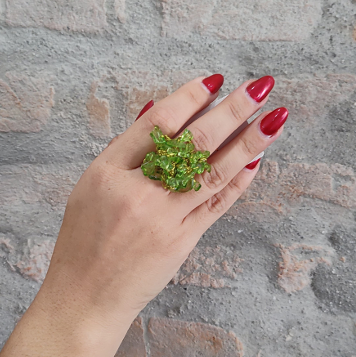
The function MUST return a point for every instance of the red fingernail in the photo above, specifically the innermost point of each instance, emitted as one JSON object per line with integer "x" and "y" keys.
{"x": 253, "y": 164}
{"x": 260, "y": 89}
{"x": 273, "y": 121}
{"x": 214, "y": 82}
{"x": 149, "y": 105}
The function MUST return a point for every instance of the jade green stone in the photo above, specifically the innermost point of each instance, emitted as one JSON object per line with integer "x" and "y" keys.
{"x": 175, "y": 162}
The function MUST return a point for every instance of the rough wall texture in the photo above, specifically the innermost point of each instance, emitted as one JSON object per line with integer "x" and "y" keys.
{"x": 276, "y": 276}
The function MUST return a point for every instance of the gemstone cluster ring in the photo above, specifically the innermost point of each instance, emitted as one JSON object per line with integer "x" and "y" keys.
{"x": 175, "y": 161}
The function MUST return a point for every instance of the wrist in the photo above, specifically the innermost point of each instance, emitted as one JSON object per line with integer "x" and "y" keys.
{"x": 58, "y": 323}
{"x": 92, "y": 328}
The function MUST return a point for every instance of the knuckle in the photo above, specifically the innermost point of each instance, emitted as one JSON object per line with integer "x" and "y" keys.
{"x": 236, "y": 111}
{"x": 101, "y": 183}
{"x": 195, "y": 98}
{"x": 99, "y": 174}
{"x": 217, "y": 204}
{"x": 235, "y": 186}
{"x": 249, "y": 147}
{"x": 201, "y": 140}
{"x": 215, "y": 179}
{"x": 113, "y": 140}
{"x": 165, "y": 118}
{"x": 126, "y": 207}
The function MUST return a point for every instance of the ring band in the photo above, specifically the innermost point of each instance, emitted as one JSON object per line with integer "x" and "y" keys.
{"x": 175, "y": 161}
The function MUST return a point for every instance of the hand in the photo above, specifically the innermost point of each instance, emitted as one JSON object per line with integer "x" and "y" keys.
{"x": 123, "y": 236}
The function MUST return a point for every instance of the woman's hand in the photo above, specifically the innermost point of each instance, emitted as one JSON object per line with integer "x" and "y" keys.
{"x": 124, "y": 237}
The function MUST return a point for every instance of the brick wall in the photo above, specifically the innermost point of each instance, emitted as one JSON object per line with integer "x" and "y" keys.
{"x": 275, "y": 276}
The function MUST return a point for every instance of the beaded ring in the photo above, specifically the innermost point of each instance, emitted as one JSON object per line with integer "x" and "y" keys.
{"x": 175, "y": 161}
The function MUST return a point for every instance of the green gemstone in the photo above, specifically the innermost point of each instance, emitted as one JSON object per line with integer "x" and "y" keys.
{"x": 197, "y": 186}
{"x": 148, "y": 168}
{"x": 200, "y": 168}
{"x": 150, "y": 156}
{"x": 186, "y": 136}
{"x": 175, "y": 162}
{"x": 157, "y": 135}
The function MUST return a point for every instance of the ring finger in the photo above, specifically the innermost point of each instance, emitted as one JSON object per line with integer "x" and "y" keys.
{"x": 227, "y": 162}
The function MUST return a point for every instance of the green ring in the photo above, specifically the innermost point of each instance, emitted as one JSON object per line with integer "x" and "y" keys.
{"x": 175, "y": 161}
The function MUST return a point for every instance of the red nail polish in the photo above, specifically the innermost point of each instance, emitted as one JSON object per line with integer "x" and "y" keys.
{"x": 253, "y": 164}
{"x": 260, "y": 89}
{"x": 214, "y": 82}
{"x": 273, "y": 121}
{"x": 149, "y": 105}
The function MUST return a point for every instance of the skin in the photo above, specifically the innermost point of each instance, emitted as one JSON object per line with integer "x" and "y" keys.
{"x": 124, "y": 237}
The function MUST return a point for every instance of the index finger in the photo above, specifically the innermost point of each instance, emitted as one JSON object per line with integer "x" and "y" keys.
{"x": 170, "y": 114}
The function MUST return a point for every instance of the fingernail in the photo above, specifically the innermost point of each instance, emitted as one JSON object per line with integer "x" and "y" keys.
{"x": 214, "y": 83}
{"x": 253, "y": 164}
{"x": 149, "y": 105}
{"x": 273, "y": 121}
{"x": 260, "y": 89}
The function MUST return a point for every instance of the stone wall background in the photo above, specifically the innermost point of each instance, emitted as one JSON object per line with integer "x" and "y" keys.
{"x": 276, "y": 276}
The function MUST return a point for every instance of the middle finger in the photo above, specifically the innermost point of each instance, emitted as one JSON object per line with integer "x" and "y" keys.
{"x": 211, "y": 130}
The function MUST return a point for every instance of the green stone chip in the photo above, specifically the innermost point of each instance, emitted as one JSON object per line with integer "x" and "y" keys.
{"x": 175, "y": 162}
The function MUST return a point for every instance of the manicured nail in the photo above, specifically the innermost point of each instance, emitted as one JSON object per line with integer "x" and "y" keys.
{"x": 271, "y": 123}
{"x": 149, "y": 105}
{"x": 214, "y": 83}
{"x": 253, "y": 164}
{"x": 260, "y": 89}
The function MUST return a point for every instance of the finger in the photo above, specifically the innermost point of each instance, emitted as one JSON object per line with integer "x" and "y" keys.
{"x": 212, "y": 129}
{"x": 202, "y": 217}
{"x": 230, "y": 160}
{"x": 170, "y": 114}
